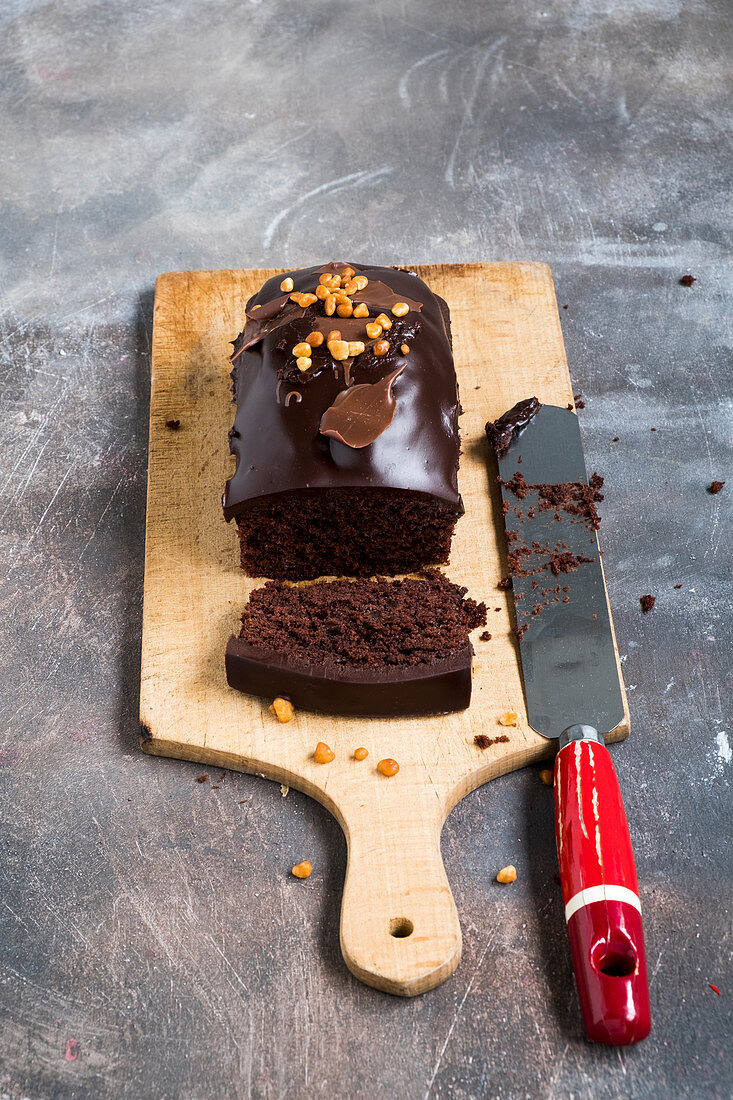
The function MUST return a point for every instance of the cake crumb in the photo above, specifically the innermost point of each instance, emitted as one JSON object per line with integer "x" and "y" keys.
{"x": 678, "y": 586}
{"x": 283, "y": 709}
{"x": 302, "y": 870}
{"x": 547, "y": 777}
{"x": 615, "y": 439}
{"x": 507, "y": 874}
{"x": 508, "y": 719}
{"x": 484, "y": 636}
{"x": 323, "y": 753}
{"x": 687, "y": 280}
{"x": 485, "y": 742}
{"x": 647, "y": 602}
{"x": 202, "y": 778}
{"x": 174, "y": 425}
{"x": 715, "y": 486}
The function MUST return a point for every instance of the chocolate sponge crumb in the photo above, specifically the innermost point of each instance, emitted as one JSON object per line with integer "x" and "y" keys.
{"x": 174, "y": 425}
{"x": 485, "y": 742}
{"x": 647, "y": 602}
{"x": 715, "y": 487}
{"x": 484, "y": 636}
{"x": 687, "y": 280}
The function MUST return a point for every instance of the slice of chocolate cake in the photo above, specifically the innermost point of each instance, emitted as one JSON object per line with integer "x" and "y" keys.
{"x": 378, "y": 648}
{"x": 346, "y": 430}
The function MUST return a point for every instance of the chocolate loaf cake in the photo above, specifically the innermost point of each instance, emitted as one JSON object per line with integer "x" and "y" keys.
{"x": 346, "y": 430}
{"x": 375, "y": 648}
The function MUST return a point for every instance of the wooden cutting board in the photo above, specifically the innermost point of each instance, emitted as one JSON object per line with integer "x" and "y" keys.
{"x": 399, "y": 926}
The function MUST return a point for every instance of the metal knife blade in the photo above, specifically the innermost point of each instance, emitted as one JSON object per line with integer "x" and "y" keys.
{"x": 568, "y": 658}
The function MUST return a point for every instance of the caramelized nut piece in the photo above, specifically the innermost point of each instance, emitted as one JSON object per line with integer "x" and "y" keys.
{"x": 507, "y": 874}
{"x": 384, "y": 320}
{"x": 302, "y": 870}
{"x": 547, "y": 777}
{"x": 360, "y": 282}
{"x": 330, "y": 305}
{"x": 315, "y": 339}
{"x": 508, "y": 719}
{"x": 373, "y": 330}
{"x": 303, "y": 300}
{"x": 381, "y": 347}
{"x": 322, "y": 754}
{"x": 283, "y": 709}
{"x": 346, "y": 275}
{"x": 304, "y": 362}
{"x": 405, "y": 349}
{"x": 356, "y": 347}
{"x": 361, "y": 310}
{"x": 326, "y": 279}
{"x": 399, "y": 309}
{"x": 345, "y": 310}
{"x": 322, "y": 292}
{"x": 341, "y": 298}
{"x": 334, "y": 334}
{"x": 361, "y": 754}
{"x": 301, "y": 349}
{"x": 339, "y": 349}
{"x": 388, "y": 767}
{"x": 286, "y": 285}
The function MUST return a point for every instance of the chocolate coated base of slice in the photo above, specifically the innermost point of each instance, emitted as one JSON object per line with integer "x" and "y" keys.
{"x": 440, "y": 687}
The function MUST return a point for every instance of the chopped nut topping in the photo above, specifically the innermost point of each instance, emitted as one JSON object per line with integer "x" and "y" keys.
{"x": 381, "y": 347}
{"x": 304, "y": 362}
{"x": 547, "y": 777}
{"x": 346, "y": 275}
{"x": 286, "y": 285}
{"x": 356, "y": 347}
{"x": 303, "y": 300}
{"x": 360, "y": 282}
{"x": 507, "y": 874}
{"x": 322, "y": 754}
{"x": 339, "y": 349}
{"x": 283, "y": 709}
{"x": 384, "y": 320}
{"x": 325, "y": 279}
{"x": 301, "y": 349}
{"x": 361, "y": 754}
{"x": 361, "y": 310}
{"x": 341, "y": 298}
{"x": 302, "y": 870}
{"x": 374, "y": 330}
{"x": 315, "y": 339}
{"x": 345, "y": 310}
{"x": 334, "y": 334}
{"x": 330, "y": 305}
{"x": 399, "y": 309}
{"x": 388, "y": 767}
{"x": 405, "y": 349}
{"x": 508, "y": 719}
{"x": 322, "y": 292}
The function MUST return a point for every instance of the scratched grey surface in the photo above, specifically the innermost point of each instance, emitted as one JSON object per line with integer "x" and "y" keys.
{"x": 151, "y": 919}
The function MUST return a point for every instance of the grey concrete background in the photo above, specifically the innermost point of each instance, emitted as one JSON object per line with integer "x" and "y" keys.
{"x": 150, "y": 920}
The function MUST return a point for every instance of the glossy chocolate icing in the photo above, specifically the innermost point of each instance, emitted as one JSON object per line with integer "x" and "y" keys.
{"x": 503, "y": 431}
{"x": 440, "y": 687}
{"x": 276, "y": 438}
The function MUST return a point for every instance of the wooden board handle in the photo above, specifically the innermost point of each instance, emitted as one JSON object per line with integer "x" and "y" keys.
{"x": 399, "y": 926}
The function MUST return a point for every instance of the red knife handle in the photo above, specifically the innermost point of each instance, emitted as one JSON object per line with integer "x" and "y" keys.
{"x": 600, "y": 891}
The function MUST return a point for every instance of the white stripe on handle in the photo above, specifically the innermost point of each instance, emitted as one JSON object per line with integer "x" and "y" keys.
{"x": 604, "y": 892}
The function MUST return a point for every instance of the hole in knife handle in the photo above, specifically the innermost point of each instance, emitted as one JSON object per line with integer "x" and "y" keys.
{"x": 617, "y": 960}
{"x": 401, "y": 928}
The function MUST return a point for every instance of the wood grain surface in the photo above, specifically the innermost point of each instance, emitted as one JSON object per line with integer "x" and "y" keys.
{"x": 508, "y": 345}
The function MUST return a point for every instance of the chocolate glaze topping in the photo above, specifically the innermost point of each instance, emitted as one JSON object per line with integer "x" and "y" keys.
{"x": 359, "y": 415}
{"x": 501, "y": 433}
{"x": 279, "y": 447}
